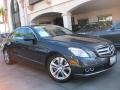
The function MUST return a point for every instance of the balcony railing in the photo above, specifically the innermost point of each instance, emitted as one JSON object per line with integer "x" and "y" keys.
{"x": 31, "y": 2}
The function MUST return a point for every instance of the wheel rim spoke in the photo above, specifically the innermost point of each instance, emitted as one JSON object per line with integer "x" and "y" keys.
{"x": 65, "y": 74}
{"x": 58, "y": 73}
{"x": 66, "y": 65}
{"x": 54, "y": 64}
{"x": 55, "y": 73}
{"x": 61, "y": 60}
{"x": 57, "y": 60}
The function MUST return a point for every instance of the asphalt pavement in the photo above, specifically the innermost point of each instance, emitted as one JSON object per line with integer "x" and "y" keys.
{"x": 26, "y": 77}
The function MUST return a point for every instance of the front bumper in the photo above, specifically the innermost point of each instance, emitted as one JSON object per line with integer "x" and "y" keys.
{"x": 94, "y": 68}
{"x": 94, "y": 73}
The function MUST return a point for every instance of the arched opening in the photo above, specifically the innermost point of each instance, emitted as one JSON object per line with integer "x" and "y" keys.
{"x": 49, "y": 18}
{"x": 15, "y": 14}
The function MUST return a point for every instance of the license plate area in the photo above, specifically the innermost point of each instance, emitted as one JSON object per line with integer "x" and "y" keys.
{"x": 113, "y": 60}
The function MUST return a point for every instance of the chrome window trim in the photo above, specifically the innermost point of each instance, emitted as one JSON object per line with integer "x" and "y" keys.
{"x": 32, "y": 31}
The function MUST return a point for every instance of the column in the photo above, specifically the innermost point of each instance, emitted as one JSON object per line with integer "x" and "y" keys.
{"x": 67, "y": 20}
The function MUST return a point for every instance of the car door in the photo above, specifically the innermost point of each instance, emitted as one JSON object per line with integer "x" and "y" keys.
{"x": 13, "y": 40}
{"x": 29, "y": 49}
{"x": 17, "y": 42}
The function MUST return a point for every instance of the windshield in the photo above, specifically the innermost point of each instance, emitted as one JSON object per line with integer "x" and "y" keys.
{"x": 51, "y": 31}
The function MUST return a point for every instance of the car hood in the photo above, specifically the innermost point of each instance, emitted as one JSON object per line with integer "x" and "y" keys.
{"x": 79, "y": 40}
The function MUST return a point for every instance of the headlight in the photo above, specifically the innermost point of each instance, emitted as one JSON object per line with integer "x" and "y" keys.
{"x": 78, "y": 52}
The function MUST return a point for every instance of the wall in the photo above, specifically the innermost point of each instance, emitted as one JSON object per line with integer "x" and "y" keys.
{"x": 22, "y": 15}
{"x": 93, "y": 16}
{"x": 43, "y": 5}
{"x": 63, "y": 7}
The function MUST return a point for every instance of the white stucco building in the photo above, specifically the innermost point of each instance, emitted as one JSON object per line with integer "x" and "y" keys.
{"x": 61, "y": 12}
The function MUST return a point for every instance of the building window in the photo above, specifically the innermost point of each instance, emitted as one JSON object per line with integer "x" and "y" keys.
{"x": 15, "y": 14}
{"x": 105, "y": 18}
{"x": 83, "y": 22}
{"x": 105, "y": 21}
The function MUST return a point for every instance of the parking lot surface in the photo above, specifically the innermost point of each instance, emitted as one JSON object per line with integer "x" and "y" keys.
{"x": 26, "y": 77}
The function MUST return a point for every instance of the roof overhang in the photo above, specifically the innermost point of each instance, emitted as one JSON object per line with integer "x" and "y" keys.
{"x": 94, "y": 5}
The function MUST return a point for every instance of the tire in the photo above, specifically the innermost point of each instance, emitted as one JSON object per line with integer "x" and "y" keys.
{"x": 59, "y": 69}
{"x": 7, "y": 58}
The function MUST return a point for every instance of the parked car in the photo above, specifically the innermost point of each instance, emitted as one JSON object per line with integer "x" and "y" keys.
{"x": 4, "y": 35}
{"x": 110, "y": 33}
{"x": 3, "y": 38}
{"x": 60, "y": 51}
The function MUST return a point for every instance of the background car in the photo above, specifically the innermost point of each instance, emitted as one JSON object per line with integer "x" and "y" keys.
{"x": 60, "y": 51}
{"x": 111, "y": 33}
{"x": 3, "y": 38}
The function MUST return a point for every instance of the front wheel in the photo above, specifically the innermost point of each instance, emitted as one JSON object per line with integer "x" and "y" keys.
{"x": 7, "y": 58}
{"x": 59, "y": 69}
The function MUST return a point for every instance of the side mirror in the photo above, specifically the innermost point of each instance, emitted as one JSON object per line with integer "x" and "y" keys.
{"x": 29, "y": 38}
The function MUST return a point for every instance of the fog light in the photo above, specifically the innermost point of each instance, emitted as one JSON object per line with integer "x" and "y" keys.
{"x": 92, "y": 69}
{"x": 87, "y": 70}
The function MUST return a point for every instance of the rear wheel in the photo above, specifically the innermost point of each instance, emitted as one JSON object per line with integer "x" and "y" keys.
{"x": 59, "y": 69}
{"x": 7, "y": 58}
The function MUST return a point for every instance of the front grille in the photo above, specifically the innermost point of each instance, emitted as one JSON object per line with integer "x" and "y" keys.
{"x": 105, "y": 50}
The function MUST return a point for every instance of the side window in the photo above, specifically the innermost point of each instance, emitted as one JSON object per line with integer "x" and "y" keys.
{"x": 20, "y": 33}
{"x": 15, "y": 34}
{"x": 26, "y": 32}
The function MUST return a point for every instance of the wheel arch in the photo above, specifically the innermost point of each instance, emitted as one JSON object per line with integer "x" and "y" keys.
{"x": 50, "y": 55}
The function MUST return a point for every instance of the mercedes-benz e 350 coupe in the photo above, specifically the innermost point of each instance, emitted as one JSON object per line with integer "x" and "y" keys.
{"x": 61, "y": 52}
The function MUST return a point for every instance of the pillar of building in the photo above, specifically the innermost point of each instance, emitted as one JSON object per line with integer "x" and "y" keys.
{"x": 67, "y": 20}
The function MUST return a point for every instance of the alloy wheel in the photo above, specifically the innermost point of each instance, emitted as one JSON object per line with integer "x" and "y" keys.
{"x": 60, "y": 68}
